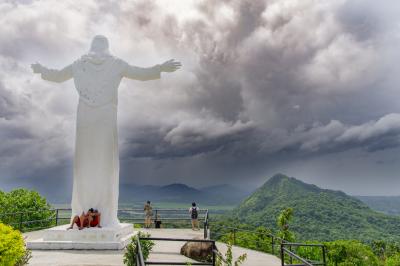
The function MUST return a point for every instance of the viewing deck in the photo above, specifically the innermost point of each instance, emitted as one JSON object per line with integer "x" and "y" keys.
{"x": 56, "y": 246}
{"x": 162, "y": 251}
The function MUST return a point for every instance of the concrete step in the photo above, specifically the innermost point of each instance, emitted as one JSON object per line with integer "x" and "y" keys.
{"x": 59, "y": 238}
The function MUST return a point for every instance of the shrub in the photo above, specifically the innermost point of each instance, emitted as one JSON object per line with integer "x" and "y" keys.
{"x": 310, "y": 252}
{"x": 12, "y": 247}
{"x": 342, "y": 253}
{"x": 350, "y": 252}
{"x": 227, "y": 260}
{"x": 130, "y": 250}
{"x": 393, "y": 260}
{"x": 257, "y": 240}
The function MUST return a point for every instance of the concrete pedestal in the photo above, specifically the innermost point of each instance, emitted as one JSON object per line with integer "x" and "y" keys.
{"x": 59, "y": 237}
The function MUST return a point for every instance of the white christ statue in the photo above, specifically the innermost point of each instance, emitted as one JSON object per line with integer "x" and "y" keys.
{"x": 97, "y": 76}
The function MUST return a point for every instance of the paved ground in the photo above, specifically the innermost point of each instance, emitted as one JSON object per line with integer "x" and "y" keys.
{"x": 163, "y": 251}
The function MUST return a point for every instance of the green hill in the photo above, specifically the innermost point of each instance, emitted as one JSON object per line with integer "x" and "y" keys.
{"x": 319, "y": 214}
{"x": 386, "y": 204}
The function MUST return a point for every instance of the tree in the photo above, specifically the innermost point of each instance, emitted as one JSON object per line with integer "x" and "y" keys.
{"x": 350, "y": 252}
{"x": 19, "y": 206}
{"x": 283, "y": 223}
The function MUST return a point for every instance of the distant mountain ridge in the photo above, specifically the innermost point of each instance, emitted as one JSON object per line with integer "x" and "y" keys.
{"x": 213, "y": 195}
{"x": 386, "y": 204}
{"x": 319, "y": 214}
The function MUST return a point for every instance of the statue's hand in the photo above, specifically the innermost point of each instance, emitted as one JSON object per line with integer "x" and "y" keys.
{"x": 37, "y": 68}
{"x": 170, "y": 66}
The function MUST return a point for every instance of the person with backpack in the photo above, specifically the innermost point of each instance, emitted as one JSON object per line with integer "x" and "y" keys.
{"x": 194, "y": 214}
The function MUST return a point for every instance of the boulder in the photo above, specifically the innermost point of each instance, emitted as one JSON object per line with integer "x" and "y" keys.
{"x": 200, "y": 251}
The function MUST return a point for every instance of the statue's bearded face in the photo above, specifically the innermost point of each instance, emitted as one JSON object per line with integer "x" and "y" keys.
{"x": 99, "y": 44}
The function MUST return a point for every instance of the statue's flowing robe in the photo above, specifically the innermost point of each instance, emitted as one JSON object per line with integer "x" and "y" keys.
{"x": 96, "y": 161}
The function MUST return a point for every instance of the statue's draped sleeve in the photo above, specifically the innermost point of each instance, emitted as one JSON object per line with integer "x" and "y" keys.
{"x": 57, "y": 75}
{"x": 140, "y": 73}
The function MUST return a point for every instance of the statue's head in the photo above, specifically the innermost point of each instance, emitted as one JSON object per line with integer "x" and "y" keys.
{"x": 99, "y": 45}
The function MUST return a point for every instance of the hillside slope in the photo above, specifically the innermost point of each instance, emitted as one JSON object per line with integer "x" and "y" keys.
{"x": 319, "y": 214}
{"x": 386, "y": 204}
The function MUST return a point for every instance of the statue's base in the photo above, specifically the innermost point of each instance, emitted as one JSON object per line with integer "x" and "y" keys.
{"x": 89, "y": 238}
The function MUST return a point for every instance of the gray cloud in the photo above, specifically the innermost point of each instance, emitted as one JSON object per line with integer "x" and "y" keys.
{"x": 264, "y": 84}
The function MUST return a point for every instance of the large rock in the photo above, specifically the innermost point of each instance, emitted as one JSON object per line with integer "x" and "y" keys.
{"x": 200, "y": 251}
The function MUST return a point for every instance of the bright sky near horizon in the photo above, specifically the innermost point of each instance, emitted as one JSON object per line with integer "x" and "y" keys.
{"x": 306, "y": 88}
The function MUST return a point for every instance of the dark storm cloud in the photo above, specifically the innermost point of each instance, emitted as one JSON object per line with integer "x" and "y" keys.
{"x": 336, "y": 136}
{"x": 186, "y": 139}
{"x": 264, "y": 83}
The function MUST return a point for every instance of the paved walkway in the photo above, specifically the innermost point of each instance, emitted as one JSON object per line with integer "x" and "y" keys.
{"x": 162, "y": 251}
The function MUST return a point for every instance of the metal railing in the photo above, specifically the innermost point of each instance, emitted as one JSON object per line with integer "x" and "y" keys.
{"x": 27, "y": 220}
{"x": 139, "y": 254}
{"x": 233, "y": 233}
{"x": 206, "y": 233}
{"x": 142, "y": 262}
{"x": 277, "y": 244}
{"x": 31, "y": 219}
{"x": 287, "y": 249}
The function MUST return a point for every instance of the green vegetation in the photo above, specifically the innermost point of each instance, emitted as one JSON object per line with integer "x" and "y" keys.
{"x": 350, "y": 252}
{"x": 12, "y": 247}
{"x": 227, "y": 260}
{"x": 21, "y": 205}
{"x": 339, "y": 252}
{"x": 352, "y": 233}
{"x": 386, "y": 204}
{"x": 320, "y": 214}
{"x": 353, "y": 252}
{"x": 283, "y": 223}
{"x": 130, "y": 250}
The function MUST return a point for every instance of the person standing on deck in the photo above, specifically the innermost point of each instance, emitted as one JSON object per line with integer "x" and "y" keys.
{"x": 194, "y": 214}
{"x": 148, "y": 212}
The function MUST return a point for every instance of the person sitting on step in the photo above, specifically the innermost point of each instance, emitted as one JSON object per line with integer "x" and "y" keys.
{"x": 89, "y": 219}
{"x": 96, "y": 216}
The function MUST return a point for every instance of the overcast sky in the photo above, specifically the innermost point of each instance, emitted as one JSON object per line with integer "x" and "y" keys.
{"x": 305, "y": 88}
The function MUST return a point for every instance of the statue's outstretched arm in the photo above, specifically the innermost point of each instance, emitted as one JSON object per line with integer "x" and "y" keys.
{"x": 53, "y": 74}
{"x": 150, "y": 73}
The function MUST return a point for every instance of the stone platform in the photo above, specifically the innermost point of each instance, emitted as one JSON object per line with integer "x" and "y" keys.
{"x": 106, "y": 238}
{"x": 162, "y": 251}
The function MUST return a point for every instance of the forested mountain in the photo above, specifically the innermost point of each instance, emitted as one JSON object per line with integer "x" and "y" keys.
{"x": 319, "y": 214}
{"x": 181, "y": 193}
{"x": 386, "y": 204}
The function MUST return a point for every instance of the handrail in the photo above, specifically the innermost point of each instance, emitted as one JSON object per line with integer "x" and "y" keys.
{"x": 302, "y": 244}
{"x": 69, "y": 209}
{"x": 28, "y": 211}
{"x": 275, "y": 240}
{"x": 175, "y": 263}
{"x": 177, "y": 239}
{"x": 205, "y": 233}
{"x": 297, "y": 257}
{"x": 221, "y": 257}
{"x": 139, "y": 258}
{"x": 24, "y": 219}
{"x": 234, "y": 230}
{"x": 290, "y": 253}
